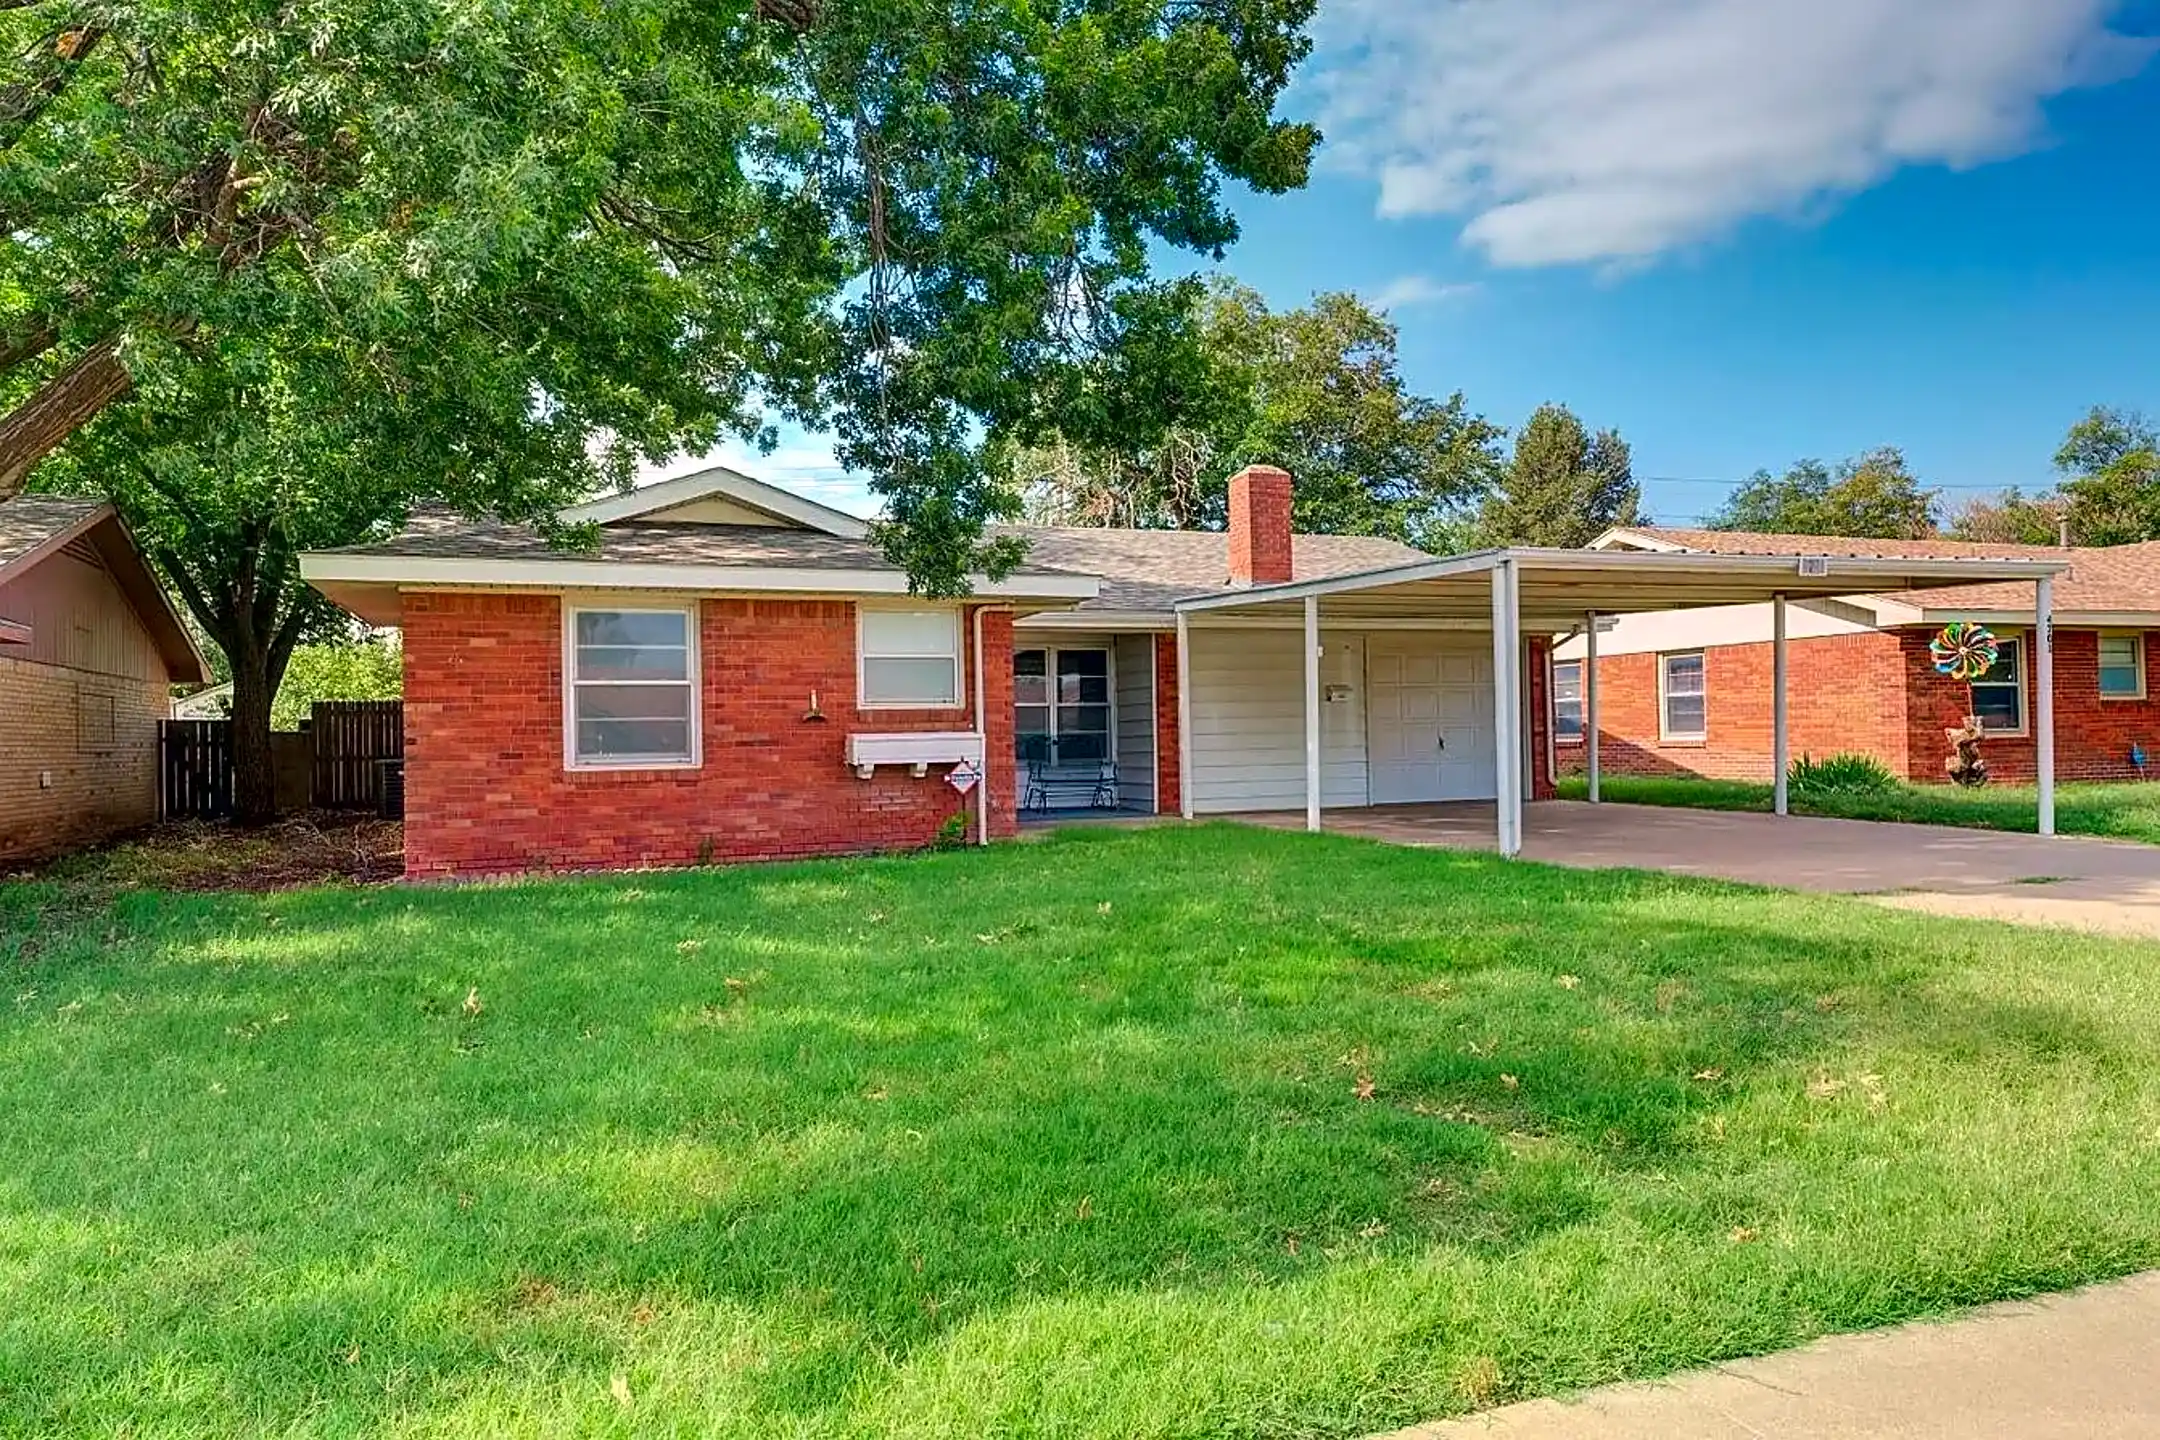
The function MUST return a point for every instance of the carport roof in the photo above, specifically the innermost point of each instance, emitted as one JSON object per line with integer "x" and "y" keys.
{"x": 1559, "y": 587}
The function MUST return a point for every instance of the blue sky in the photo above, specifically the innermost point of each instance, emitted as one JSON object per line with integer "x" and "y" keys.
{"x": 1743, "y": 232}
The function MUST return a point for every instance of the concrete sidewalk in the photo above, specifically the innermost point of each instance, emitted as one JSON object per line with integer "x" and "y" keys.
{"x": 2082, "y": 1366}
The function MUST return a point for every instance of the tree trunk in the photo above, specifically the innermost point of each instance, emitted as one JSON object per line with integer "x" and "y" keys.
{"x": 254, "y": 777}
{"x": 59, "y": 407}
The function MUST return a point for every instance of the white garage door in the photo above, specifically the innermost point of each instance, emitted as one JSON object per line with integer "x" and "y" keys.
{"x": 1429, "y": 718}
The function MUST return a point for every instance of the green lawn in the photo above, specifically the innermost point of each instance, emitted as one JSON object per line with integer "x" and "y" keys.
{"x": 1123, "y": 1133}
{"x": 2119, "y": 811}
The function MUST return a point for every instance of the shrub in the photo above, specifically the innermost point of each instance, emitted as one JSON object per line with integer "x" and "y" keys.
{"x": 1841, "y": 775}
{"x": 953, "y": 833}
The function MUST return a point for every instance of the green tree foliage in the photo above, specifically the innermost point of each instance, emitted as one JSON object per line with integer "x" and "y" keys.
{"x": 272, "y": 277}
{"x": 2110, "y": 462}
{"x": 1317, "y": 390}
{"x": 2011, "y": 518}
{"x": 1563, "y": 486}
{"x": 348, "y": 670}
{"x": 558, "y": 238}
{"x": 1872, "y": 495}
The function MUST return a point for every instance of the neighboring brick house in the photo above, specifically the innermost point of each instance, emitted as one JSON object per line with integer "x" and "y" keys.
{"x": 1690, "y": 692}
{"x": 89, "y": 648}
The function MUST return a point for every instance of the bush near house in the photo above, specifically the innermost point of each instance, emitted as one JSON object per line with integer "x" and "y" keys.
{"x": 1185, "y": 1132}
{"x": 1846, "y": 774}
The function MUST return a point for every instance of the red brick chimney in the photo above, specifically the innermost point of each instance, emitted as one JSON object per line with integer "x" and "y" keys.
{"x": 1260, "y": 526}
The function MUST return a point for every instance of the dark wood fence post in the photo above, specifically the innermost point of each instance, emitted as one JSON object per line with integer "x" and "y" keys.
{"x": 350, "y": 737}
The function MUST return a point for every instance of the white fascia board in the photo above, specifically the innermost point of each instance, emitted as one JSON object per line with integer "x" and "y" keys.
{"x": 2064, "y": 619}
{"x": 428, "y": 571}
{"x": 729, "y": 484}
{"x": 1122, "y": 621}
{"x": 1339, "y": 584}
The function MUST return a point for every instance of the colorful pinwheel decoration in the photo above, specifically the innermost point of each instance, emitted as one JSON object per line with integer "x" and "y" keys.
{"x": 1964, "y": 651}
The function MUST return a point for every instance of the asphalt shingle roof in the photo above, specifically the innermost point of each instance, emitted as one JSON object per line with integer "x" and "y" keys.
{"x": 28, "y": 521}
{"x": 1139, "y": 569}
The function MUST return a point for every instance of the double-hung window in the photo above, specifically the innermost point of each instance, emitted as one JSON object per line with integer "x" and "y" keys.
{"x": 1567, "y": 701}
{"x": 910, "y": 659}
{"x": 1682, "y": 700}
{"x": 631, "y": 687}
{"x": 1998, "y": 697}
{"x": 2122, "y": 667}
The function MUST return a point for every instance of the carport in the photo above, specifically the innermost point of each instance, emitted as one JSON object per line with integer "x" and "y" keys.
{"x": 1508, "y": 595}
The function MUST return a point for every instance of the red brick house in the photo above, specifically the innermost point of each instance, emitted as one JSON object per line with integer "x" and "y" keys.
{"x": 89, "y": 648}
{"x": 734, "y": 672}
{"x": 1690, "y": 692}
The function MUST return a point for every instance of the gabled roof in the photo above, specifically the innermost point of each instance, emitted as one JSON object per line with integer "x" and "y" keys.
{"x": 725, "y": 493}
{"x": 1145, "y": 572}
{"x": 34, "y": 528}
{"x": 2115, "y": 584}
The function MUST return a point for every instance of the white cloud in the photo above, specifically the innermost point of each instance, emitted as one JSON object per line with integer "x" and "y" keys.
{"x": 1569, "y": 131}
{"x": 1406, "y": 291}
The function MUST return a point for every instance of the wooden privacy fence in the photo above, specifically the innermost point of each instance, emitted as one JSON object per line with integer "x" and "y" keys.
{"x": 351, "y": 737}
{"x": 344, "y": 743}
{"x": 195, "y": 769}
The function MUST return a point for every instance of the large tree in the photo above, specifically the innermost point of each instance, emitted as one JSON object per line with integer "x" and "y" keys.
{"x": 273, "y": 274}
{"x": 914, "y": 221}
{"x": 1317, "y": 390}
{"x": 2011, "y": 518}
{"x": 1563, "y": 486}
{"x": 1875, "y": 494}
{"x": 2110, "y": 463}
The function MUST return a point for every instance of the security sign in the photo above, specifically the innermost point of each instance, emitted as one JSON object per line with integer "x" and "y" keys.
{"x": 965, "y": 776}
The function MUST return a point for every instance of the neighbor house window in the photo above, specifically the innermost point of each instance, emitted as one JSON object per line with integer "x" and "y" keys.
{"x": 2122, "y": 667}
{"x": 1682, "y": 714}
{"x": 910, "y": 658}
{"x": 1998, "y": 699}
{"x": 1567, "y": 701}
{"x": 632, "y": 681}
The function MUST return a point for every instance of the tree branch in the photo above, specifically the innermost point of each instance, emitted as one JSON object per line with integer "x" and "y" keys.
{"x": 197, "y": 599}
{"x": 57, "y": 409}
{"x": 22, "y": 102}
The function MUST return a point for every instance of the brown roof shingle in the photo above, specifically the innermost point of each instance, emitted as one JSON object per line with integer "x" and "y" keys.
{"x": 28, "y": 521}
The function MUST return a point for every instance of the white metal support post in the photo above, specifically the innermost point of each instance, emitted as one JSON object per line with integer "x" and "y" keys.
{"x": 1184, "y": 717}
{"x": 1780, "y": 731}
{"x": 1590, "y": 715}
{"x": 1312, "y": 713}
{"x": 2044, "y": 678}
{"x": 1507, "y": 708}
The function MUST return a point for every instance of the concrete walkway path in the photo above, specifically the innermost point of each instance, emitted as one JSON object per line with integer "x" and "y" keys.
{"x": 2112, "y": 886}
{"x": 2082, "y": 1366}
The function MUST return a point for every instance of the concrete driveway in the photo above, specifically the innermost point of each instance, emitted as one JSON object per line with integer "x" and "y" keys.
{"x": 2104, "y": 885}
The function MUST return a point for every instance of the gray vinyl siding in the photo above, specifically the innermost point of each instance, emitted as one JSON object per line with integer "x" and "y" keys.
{"x": 1132, "y": 661}
{"x": 1248, "y": 720}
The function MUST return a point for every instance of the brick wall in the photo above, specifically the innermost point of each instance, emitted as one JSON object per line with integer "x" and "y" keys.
{"x": 487, "y": 792}
{"x": 93, "y": 737}
{"x": 2093, "y": 737}
{"x": 1169, "y": 744}
{"x": 1260, "y": 542}
{"x": 1537, "y": 675}
{"x": 1874, "y": 694}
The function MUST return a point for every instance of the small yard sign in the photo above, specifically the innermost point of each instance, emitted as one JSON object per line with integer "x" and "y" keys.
{"x": 965, "y": 776}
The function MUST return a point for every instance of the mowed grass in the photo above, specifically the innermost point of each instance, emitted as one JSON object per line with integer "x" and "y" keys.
{"x": 2117, "y": 811}
{"x": 1145, "y": 1133}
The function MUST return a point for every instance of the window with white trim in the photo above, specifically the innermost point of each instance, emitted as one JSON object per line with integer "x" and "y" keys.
{"x": 910, "y": 659}
{"x": 1567, "y": 701}
{"x": 2122, "y": 667}
{"x": 631, "y": 682}
{"x": 1683, "y": 710}
{"x": 1998, "y": 698}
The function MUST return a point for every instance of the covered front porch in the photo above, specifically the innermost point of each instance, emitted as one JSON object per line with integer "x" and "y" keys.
{"x": 1422, "y": 683}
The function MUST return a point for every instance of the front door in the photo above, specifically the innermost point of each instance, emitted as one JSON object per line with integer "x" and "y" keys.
{"x": 1429, "y": 725}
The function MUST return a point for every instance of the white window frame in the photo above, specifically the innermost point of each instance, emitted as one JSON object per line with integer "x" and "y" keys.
{"x": 1108, "y": 650}
{"x": 958, "y": 655}
{"x": 1582, "y": 700}
{"x": 688, "y": 609}
{"x": 2137, "y": 648}
{"x": 2024, "y": 688}
{"x": 1666, "y": 734}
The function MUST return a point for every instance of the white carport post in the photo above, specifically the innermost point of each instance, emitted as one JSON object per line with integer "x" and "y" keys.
{"x": 1312, "y": 713}
{"x": 1507, "y": 706}
{"x": 1590, "y": 717}
{"x": 1184, "y": 717}
{"x": 1780, "y": 731}
{"x": 2044, "y": 677}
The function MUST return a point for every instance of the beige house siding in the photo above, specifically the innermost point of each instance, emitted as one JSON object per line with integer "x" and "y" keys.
{"x": 79, "y": 710}
{"x": 1248, "y": 720}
